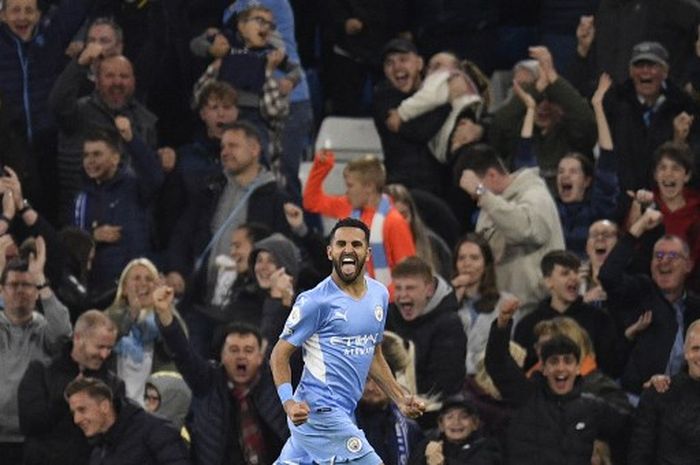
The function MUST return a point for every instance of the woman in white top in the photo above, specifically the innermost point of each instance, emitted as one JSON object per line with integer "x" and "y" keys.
{"x": 474, "y": 283}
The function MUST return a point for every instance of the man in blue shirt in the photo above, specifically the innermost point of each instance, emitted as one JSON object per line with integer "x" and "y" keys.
{"x": 340, "y": 324}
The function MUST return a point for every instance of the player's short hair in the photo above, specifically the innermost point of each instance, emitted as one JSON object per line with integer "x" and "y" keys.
{"x": 413, "y": 267}
{"x": 369, "y": 169}
{"x": 563, "y": 258}
{"x": 349, "y": 223}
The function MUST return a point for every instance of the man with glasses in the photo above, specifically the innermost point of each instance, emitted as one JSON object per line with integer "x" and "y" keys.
{"x": 25, "y": 335}
{"x": 659, "y": 347}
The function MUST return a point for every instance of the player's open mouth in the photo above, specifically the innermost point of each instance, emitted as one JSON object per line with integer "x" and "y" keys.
{"x": 348, "y": 264}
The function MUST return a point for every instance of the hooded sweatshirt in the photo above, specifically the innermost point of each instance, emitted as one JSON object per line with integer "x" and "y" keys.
{"x": 440, "y": 341}
{"x": 175, "y": 396}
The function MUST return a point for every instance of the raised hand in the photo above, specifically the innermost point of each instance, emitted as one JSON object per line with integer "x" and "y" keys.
{"x": 91, "y": 53}
{"x": 508, "y": 308}
{"x": 163, "y": 297}
{"x": 168, "y": 158}
{"x": 527, "y": 99}
{"x": 294, "y": 215}
{"x": 123, "y": 125}
{"x": 37, "y": 260}
{"x": 411, "y": 406}
{"x": 604, "y": 83}
{"x": 681, "y": 126}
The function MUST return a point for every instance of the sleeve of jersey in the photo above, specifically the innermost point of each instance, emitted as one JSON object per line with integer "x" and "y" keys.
{"x": 303, "y": 320}
{"x": 385, "y": 305}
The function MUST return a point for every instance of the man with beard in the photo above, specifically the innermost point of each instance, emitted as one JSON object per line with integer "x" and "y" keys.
{"x": 340, "y": 324}
{"x": 235, "y": 417}
{"x": 44, "y": 417}
{"x": 113, "y": 96}
{"x": 25, "y": 335}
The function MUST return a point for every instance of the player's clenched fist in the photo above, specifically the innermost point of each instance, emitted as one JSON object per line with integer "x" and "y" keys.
{"x": 298, "y": 412}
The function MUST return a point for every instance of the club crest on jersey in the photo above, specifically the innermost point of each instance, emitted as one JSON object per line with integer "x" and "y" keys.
{"x": 294, "y": 316}
{"x": 379, "y": 312}
{"x": 354, "y": 444}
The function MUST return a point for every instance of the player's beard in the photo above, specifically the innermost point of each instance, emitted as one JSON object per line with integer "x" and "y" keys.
{"x": 359, "y": 267}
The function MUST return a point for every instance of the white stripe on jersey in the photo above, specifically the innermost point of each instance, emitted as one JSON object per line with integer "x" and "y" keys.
{"x": 313, "y": 357}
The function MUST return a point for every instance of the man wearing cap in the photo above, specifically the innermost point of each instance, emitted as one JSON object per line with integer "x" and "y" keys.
{"x": 644, "y": 112}
{"x": 407, "y": 157}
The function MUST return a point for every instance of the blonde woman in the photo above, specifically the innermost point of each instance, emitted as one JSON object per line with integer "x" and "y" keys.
{"x": 139, "y": 349}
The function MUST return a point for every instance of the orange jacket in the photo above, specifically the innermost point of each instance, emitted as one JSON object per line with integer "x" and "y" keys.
{"x": 398, "y": 240}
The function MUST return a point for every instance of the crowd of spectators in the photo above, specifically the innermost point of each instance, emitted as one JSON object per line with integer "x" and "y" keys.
{"x": 540, "y": 242}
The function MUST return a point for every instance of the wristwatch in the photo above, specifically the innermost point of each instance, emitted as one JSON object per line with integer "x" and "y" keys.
{"x": 480, "y": 190}
{"x": 26, "y": 206}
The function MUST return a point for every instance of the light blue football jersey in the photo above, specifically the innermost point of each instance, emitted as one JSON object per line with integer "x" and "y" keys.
{"x": 338, "y": 334}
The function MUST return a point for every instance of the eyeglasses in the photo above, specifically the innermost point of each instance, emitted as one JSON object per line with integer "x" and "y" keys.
{"x": 23, "y": 285}
{"x": 262, "y": 22}
{"x": 660, "y": 255}
{"x": 151, "y": 397}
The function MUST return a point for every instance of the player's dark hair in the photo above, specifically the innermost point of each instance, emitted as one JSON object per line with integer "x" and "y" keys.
{"x": 349, "y": 223}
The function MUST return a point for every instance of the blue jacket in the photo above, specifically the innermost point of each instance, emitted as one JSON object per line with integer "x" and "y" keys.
{"x": 600, "y": 201}
{"x": 29, "y": 69}
{"x": 121, "y": 201}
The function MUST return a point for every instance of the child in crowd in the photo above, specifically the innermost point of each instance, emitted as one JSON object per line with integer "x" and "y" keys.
{"x": 460, "y": 440}
{"x": 246, "y": 58}
{"x": 113, "y": 204}
{"x": 444, "y": 72}
{"x": 678, "y": 202}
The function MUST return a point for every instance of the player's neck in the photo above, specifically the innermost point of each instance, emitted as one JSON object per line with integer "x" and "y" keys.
{"x": 355, "y": 289}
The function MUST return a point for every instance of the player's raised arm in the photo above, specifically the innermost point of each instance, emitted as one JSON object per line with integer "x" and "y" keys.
{"x": 380, "y": 372}
{"x": 298, "y": 412}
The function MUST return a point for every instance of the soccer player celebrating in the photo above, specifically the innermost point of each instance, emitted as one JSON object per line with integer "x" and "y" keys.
{"x": 340, "y": 324}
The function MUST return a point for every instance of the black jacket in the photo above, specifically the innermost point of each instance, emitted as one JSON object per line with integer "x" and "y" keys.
{"x": 193, "y": 231}
{"x": 635, "y": 143}
{"x": 139, "y": 438}
{"x": 667, "y": 430}
{"x": 51, "y": 436}
{"x": 597, "y": 323}
{"x": 631, "y": 294}
{"x": 477, "y": 450}
{"x": 547, "y": 429}
{"x": 407, "y": 158}
{"x": 215, "y": 416}
{"x": 440, "y": 344}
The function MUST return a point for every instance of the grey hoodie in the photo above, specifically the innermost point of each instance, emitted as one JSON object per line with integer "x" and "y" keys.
{"x": 175, "y": 396}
